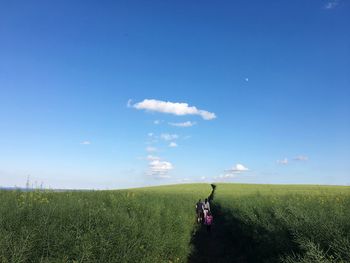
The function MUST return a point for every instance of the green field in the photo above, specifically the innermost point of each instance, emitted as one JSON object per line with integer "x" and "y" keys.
{"x": 274, "y": 223}
{"x": 253, "y": 223}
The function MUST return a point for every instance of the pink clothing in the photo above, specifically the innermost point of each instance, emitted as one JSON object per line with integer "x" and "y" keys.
{"x": 208, "y": 220}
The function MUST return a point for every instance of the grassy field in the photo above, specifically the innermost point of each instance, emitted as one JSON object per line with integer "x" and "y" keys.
{"x": 274, "y": 223}
{"x": 137, "y": 225}
{"x": 253, "y": 223}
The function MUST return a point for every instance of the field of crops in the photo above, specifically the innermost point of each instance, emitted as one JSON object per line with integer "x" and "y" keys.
{"x": 253, "y": 223}
{"x": 136, "y": 225}
{"x": 277, "y": 223}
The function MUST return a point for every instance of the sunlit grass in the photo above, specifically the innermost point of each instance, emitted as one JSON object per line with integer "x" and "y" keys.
{"x": 148, "y": 225}
{"x": 311, "y": 222}
{"x": 271, "y": 223}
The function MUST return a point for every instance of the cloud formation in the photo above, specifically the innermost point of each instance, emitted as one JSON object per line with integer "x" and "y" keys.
{"x": 225, "y": 176}
{"x": 232, "y": 172}
{"x": 168, "y": 137}
{"x": 283, "y": 161}
{"x": 331, "y": 4}
{"x": 85, "y": 143}
{"x": 159, "y": 168}
{"x": 176, "y": 108}
{"x": 173, "y": 144}
{"x": 151, "y": 149}
{"x": 182, "y": 124}
{"x": 151, "y": 157}
{"x": 238, "y": 168}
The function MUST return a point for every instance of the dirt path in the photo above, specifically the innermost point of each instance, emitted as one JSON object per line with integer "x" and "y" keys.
{"x": 218, "y": 245}
{"x": 233, "y": 240}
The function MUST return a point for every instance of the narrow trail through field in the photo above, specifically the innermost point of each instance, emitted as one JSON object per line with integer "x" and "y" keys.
{"x": 233, "y": 240}
{"x": 218, "y": 245}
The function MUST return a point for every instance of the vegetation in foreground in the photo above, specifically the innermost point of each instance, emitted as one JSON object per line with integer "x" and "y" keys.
{"x": 286, "y": 223}
{"x": 136, "y": 225}
{"x": 253, "y": 223}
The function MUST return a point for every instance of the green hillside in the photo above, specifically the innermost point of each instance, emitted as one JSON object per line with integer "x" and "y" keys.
{"x": 289, "y": 223}
{"x": 252, "y": 223}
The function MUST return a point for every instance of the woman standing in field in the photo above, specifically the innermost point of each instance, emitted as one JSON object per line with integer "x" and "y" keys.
{"x": 206, "y": 207}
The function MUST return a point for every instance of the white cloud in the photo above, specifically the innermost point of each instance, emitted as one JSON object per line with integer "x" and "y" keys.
{"x": 246, "y": 79}
{"x": 169, "y": 137}
{"x": 150, "y": 134}
{"x": 152, "y": 157}
{"x": 156, "y": 122}
{"x": 301, "y": 158}
{"x": 232, "y": 172}
{"x": 160, "y": 168}
{"x": 85, "y": 143}
{"x": 157, "y": 167}
{"x": 172, "y": 144}
{"x": 176, "y": 108}
{"x": 238, "y": 168}
{"x": 151, "y": 149}
{"x": 182, "y": 124}
{"x": 331, "y": 4}
{"x": 283, "y": 161}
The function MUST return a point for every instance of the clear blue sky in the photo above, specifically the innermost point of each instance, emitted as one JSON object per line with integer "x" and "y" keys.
{"x": 84, "y": 86}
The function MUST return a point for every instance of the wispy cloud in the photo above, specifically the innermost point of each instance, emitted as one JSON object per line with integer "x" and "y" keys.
{"x": 151, "y": 149}
{"x": 151, "y": 157}
{"x": 283, "y": 161}
{"x": 232, "y": 172}
{"x": 301, "y": 158}
{"x": 156, "y": 122}
{"x": 331, "y": 4}
{"x": 173, "y": 144}
{"x": 225, "y": 176}
{"x": 85, "y": 143}
{"x": 159, "y": 168}
{"x": 168, "y": 137}
{"x": 176, "y": 108}
{"x": 236, "y": 169}
{"x": 182, "y": 124}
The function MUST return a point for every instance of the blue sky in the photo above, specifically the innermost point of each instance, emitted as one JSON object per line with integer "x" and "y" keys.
{"x": 119, "y": 94}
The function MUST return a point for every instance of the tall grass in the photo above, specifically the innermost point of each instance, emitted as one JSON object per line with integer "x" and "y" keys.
{"x": 258, "y": 223}
{"x": 137, "y": 225}
{"x": 288, "y": 223}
